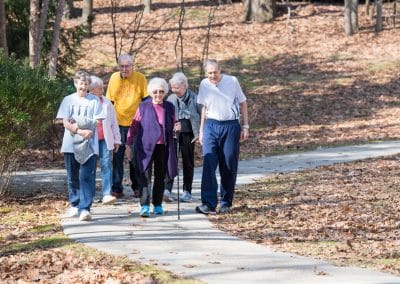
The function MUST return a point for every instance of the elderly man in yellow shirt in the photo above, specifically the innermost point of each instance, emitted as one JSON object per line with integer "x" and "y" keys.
{"x": 126, "y": 89}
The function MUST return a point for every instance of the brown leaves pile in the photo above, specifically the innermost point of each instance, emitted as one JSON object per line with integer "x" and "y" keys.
{"x": 346, "y": 213}
{"x": 60, "y": 266}
{"x": 32, "y": 247}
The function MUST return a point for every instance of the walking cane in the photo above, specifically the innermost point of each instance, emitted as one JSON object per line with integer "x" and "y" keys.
{"x": 177, "y": 133}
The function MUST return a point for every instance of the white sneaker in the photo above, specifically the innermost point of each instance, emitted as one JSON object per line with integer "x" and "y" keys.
{"x": 186, "y": 197}
{"x": 72, "y": 212}
{"x": 85, "y": 216}
{"x": 108, "y": 199}
{"x": 168, "y": 196}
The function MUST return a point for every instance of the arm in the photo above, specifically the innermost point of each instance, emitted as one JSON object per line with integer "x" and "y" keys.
{"x": 72, "y": 126}
{"x": 115, "y": 128}
{"x": 245, "y": 126}
{"x": 202, "y": 120}
{"x": 132, "y": 132}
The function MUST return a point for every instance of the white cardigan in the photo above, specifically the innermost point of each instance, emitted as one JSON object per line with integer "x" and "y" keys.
{"x": 110, "y": 125}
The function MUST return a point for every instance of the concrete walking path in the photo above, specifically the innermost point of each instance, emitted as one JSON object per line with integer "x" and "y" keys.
{"x": 193, "y": 247}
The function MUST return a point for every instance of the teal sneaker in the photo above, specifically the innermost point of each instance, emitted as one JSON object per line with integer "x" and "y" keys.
{"x": 158, "y": 210}
{"x": 145, "y": 211}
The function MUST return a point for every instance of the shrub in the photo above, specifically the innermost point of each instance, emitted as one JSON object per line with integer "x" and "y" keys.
{"x": 28, "y": 104}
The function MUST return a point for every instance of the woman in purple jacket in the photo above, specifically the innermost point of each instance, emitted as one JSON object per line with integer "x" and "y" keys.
{"x": 152, "y": 130}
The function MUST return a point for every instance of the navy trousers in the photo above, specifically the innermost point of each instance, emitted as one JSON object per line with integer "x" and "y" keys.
{"x": 220, "y": 148}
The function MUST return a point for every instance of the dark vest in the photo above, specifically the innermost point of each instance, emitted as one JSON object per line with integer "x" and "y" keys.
{"x": 147, "y": 140}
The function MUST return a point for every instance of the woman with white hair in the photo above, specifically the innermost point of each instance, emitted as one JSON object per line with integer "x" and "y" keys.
{"x": 109, "y": 138}
{"x": 188, "y": 113}
{"x": 152, "y": 129}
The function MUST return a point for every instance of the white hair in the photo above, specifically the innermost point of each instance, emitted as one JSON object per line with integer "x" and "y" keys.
{"x": 125, "y": 57}
{"x": 156, "y": 83}
{"x": 212, "y": 62}
{"x": 95, "y": 82}
{"x": 180, "y": 79}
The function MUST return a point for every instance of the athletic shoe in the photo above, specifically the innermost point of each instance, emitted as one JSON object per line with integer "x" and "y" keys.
{"x": 186, "y": 197}
{"x": 204, "y": 209}
{"x": 85, "y": 216}
{"x": 145, "y": 211}
{"x": 72, "y": 212}
{"x": 168, "y": 196}
{"x": 158, "y": 210}
{"x": 224, "y": 209}
{"x": 108, "y": 199}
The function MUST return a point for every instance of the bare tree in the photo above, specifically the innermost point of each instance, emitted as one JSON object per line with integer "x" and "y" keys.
{"x": 378, "y": 24}
{"x": 87, "y": 14}
{"x": 260, "y": 10}
{"x": 69, "y": 9}
{"x": 147, "y": 6}
{"x": 367, "y": 7}
{"x": 34, "y": 21}
{"x": 42, "y": 25}
{"x": 179, "y": 39}
{"x": 56, "y": 39}
{"x": 211, "y": 16}
{"x": 3, "y": 29}
{"x": 350, "y": 16}
{"x": 126, "y": 38}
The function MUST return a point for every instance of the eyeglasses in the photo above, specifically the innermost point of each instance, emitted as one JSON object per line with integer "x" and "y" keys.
{"x": 125, "y": 66}
{"x": 155, "y": 92}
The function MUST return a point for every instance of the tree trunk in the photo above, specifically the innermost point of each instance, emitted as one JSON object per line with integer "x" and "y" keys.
{"x": 34, "y": 21}
{"x": 3, "y": 29}
{"x": 350, "y": 17}
{"x": 87, "y": 14}
{"x": 69, "y": 9}
{"x": 354, "y": 15}
{"x": 147, "y": 6}
{"x": 378, "y": 25}
{"x": 56, "y": 39}
{"x": 42, "y": 25}
{"x": 260, "y": 10}
{"x": 367, "y": 5}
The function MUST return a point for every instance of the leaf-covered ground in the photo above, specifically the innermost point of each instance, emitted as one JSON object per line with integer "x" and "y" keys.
{"x": 33, "y": 248}
{"x": 346, "y": 213}
{"x": 307, "y": 84}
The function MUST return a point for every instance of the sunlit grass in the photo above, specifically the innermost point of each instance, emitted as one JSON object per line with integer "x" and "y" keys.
{"x": 44, "y": 243}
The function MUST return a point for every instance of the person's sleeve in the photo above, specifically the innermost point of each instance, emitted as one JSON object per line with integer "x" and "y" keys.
{"x": 110, "y": 93}
{"x": 98, "y": 110}
{"x": 63, "y": 110}
{"x": 114, "y": 125}
{"x": 144, "y": 86}
{"x": 239, "y": 92}
{"x": 133, "y": 129}
{"x": 201, "y": 95}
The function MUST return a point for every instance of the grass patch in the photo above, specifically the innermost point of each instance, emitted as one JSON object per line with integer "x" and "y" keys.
{"x": 45, "y": 243}
{"x": 5, "y": 210}
{"x": 43, "y": 228}
{"x": 383, "y": 65}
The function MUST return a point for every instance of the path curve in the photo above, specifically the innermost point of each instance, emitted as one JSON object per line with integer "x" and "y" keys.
{"x": 192, "y": 247}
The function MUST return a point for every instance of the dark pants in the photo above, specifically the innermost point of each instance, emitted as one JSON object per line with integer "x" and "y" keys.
{"x": 118, "y": 165}
{"x": 81, "y": 181}
{"x": 220, "y": 148}
{"x": 159, "y": 161}
{"x": 186, "y": 148}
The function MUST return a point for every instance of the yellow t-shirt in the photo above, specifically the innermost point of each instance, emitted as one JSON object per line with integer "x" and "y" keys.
{"x": 126, "y": 94}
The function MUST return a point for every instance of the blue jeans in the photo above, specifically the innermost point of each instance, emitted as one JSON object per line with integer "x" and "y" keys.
{"x": 220, "y": 148}
{"x": 81, "y": 181}
{"x": 105, "y": 166}
{"x": 118, "y": 165}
